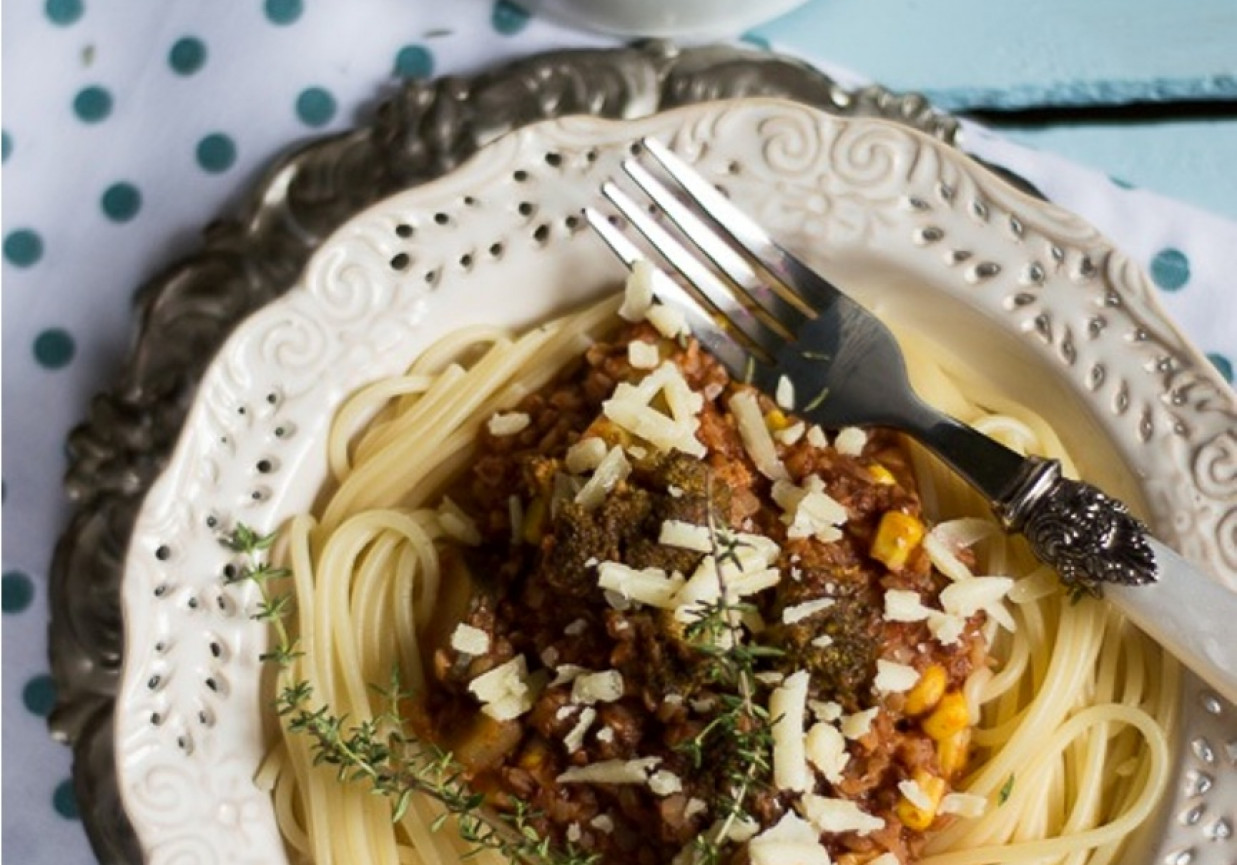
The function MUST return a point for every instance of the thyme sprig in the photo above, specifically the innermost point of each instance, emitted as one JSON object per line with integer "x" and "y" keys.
{"x": 380, "y": 751}
{"x": 273, "y": 606}
{"x": 739, "y": 738}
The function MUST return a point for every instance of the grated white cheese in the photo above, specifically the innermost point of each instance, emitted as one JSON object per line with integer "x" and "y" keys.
{"x": 791, "y": 841}
{"x": 968, "y": 597}
{"x": 605, "y": 734}
{"x": 756, "y": 437}
{"x": 602, "y": 823}
{"x": 643, "y": 355}
{"x": 575, "y": 736}
{"x": 826, "y": 749}
{"x": 457, "y": 524}
{"x": 807, "y": 609}
{"x": 663, "y": 782}
{"x": 504, "y": 691}
{"x": 770, "y": 677}
{"x": 630, "y": 407}
{"x": 704, "y": 588}
{"x": 703, "y": 705}
{"x": 650, "y": 586}
{"x": 695, "y": 806}
{"x": 576, "y": 628}
{"x": 825, "y": 710}
{"x": 784, "y": 396}
{"x": 611, "y": 772}
{"x": 946, "y": 628}
{"x": 791, "y": 434}
{"x": 824, "y": 641}
{"x": 894, "y": 678}
{"x": 669, "y": 320}
{"x": 508, "y": 423}
{"x": 903, "y": 605}
{"x": 567, "y": 673}
{"x": 964, "y": 804}
{"x": 916, "y": 795}
{"x": 637, "y": 292}
{"x": 612, "y": 469}
{"x": 839, "y": 815}
{"x": 787, "y": 707}
{"x": 603, "y": 687}
{"x": 816, "y": 437}
{"x": 945, "y": 539}
{"x": 857, "y": 724}
{"x": 738, "y": 829}
{"x": 687, "y": 536}
{"x": 549, "y": 656}
{"x": 574, "y": 833}
{"x": 745, "y": 573}
{"x": 470, "y": 640}
{"x": 850, "y": 441}
{"x": 809, "y": 511}
{"x": 585, "y": 455}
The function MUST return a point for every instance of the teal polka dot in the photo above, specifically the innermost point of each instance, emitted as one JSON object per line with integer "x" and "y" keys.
{"x": 92, "y": 104}
{"x": 6, "y": 145}
{"x": 315, "y": 106}
{"x": 1170, "y": 269}
{"x": 756, "y": 41}
{"x": 414, "y": 61}
{"x": 283, "y": 11}
{"x": 54, "y": 348}
{"x": 63, "y": 12}
{"x": 216, "y": 153}
{"x": 1223, "y": 364}
{"x": 508, "y": 18}
{"x": 187, "y": 55}
{"x": 39, "y": 695}
{"x": 23, "y": 247}
{"x": 121, "y": 202}
{"x": 16, "y": 591}
{"x": 64, "y": 800}
{"x": 1121, "y": 182}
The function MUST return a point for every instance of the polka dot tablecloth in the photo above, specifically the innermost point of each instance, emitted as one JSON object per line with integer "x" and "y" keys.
{"x": 128, "y": 126}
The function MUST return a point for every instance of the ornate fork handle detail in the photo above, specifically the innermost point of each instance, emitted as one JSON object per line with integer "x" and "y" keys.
{"x": 1088, "y": 536}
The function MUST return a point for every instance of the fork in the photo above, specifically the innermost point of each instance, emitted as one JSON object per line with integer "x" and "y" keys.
{"x": 771, "y": 321}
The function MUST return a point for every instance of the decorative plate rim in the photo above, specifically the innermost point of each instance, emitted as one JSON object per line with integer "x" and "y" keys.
{"x": 1044, "y": 275}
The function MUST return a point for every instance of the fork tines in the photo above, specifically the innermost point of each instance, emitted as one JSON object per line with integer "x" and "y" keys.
{"x": 738, "y": 280}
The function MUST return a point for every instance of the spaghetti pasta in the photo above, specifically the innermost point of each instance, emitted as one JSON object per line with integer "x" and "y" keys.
{"x": 1068, "y": 733}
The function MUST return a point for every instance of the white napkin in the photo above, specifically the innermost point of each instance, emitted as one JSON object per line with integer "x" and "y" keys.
{"x": 127, "y": 129}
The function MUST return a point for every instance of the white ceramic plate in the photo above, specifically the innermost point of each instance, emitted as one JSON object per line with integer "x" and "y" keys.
{"x": 1025, "y": 291}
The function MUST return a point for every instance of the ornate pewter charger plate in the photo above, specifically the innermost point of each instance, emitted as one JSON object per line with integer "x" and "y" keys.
{"x": 1054, "y": 314}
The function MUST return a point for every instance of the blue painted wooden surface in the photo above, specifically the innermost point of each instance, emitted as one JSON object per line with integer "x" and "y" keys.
{"x": 969, "y": 54}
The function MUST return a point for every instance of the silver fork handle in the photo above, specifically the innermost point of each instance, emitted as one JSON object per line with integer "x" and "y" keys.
{"x": 1094, "y": 541}
{"x": 1089, "y": 538}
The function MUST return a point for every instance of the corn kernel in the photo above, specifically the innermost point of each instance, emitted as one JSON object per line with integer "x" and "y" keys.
{"x": 534, "y": 520}
{"x": 533, "y": 756}
{"x": 950, "y": 715}
{"x": 776, "y": 420}
{"x": 952, "y": 752}
{"x": 881, "y": 475}
{"x": 913, "y": 816}
{"x": 927, "y": 692}
{"x": 896, "y": 538}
